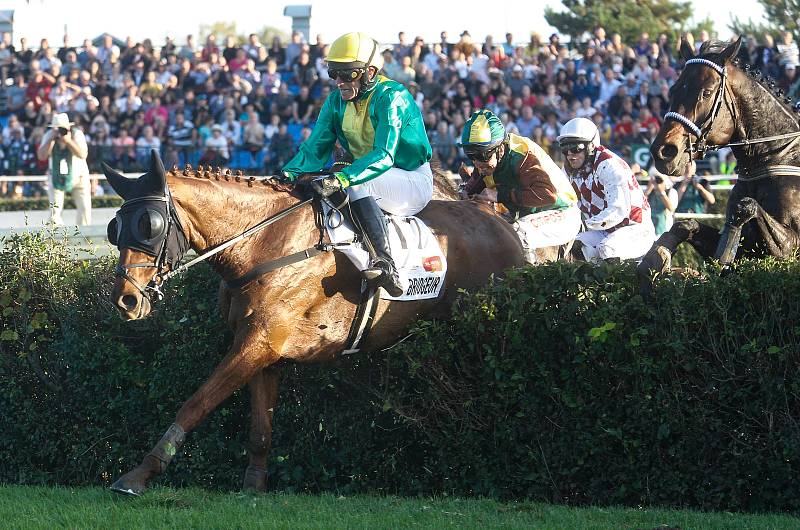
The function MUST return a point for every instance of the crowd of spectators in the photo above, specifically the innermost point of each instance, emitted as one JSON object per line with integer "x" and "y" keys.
{"x": 249, "y": 105}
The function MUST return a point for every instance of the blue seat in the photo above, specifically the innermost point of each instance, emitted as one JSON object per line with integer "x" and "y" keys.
{"x": 294, "y": 129}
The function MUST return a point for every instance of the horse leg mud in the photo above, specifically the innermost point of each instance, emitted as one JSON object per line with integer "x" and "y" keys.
{"x": 246, "y": 358}
{"x": 658, "y": 259}
{"x": 263, "y": 398}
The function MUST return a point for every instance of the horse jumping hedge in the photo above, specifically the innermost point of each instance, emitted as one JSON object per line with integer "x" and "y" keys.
{"x": 556, "y": 383}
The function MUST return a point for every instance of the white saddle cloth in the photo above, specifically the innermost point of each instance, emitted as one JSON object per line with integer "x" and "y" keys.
{"x": 420, "y": 262}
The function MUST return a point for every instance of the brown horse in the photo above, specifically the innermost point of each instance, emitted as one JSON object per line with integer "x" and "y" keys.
{"x": 300, "y": 312}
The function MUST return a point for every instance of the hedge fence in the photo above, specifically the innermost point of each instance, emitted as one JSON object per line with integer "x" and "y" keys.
{"x": 557, "y": 383}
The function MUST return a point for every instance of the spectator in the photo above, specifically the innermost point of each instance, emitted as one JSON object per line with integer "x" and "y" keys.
{"x": 64, "y": 146}
{"x": 182, "y": 137}
{"x": 146, "y": 143}
{"x": 253, "y": 134}
{"x": 305, "y": 72}
{"x": 216, "y": 148}
{"x": 663, "y": 199}
{"x": 231, "y": 129}
{"x": 277, "y": 51}
{"x": 401, "y": 49}
{"x": 123, "y": 150}
{"x": 303, "y": 107}
{"x": 281, "y": 149}
{"x": 694, "y": 193}
{"x": 253, "y": 46}
{"x": 293, "y": 50}
{"x": 787, "y": 50}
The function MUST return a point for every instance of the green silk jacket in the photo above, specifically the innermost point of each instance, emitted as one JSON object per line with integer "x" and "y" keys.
{"x": 381, "y": 129}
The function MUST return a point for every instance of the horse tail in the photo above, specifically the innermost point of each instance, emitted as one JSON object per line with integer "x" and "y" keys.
{"x": 443, "y": 188}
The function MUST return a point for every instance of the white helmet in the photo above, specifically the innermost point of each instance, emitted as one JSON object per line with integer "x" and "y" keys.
{"x": 580, "y": 130}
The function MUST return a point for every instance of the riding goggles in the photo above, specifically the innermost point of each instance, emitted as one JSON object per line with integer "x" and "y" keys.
{"x": 481, "y": 156}
{"x": 573, "y": 149}
{"x": 345, "y": 74}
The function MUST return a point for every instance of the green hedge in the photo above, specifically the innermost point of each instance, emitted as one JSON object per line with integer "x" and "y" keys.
{"x": 42, "y": 203}
{"x": 557, "y": 383}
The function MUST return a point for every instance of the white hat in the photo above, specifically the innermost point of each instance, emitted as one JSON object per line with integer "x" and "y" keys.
{"x": 517, "y": 68}
{"x": 61, "y": 121}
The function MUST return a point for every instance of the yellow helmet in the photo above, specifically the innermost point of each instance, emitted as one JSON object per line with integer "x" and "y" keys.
{"x": 355, "y": 50}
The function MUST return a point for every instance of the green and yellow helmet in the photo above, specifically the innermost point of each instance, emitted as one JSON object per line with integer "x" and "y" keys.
{"x": 354, "y": 50}
{"x": 482, "y": 132}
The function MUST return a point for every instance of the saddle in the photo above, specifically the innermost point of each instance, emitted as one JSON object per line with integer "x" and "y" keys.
{"x": 416, "y": 252}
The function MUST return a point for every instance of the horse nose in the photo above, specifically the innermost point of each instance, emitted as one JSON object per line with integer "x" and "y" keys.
{"x": 667, "y": 152}
{"x": 128, "y": 302}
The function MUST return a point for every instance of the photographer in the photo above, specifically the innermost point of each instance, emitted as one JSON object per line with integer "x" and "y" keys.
{"x": 663, "y": 200}
{"x": 66, "y": 149}
{"x": 694, "y": 193}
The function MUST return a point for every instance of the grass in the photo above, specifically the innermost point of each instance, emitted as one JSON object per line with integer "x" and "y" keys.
{"x": 40, "y": 507}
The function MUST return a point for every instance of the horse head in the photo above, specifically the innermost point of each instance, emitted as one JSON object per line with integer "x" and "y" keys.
{"x": 149, "y": 236}
{"x": 700, "y": 111}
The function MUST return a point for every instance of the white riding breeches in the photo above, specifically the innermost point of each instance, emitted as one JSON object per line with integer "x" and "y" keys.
{"x": 398, "y": 191}
{"x": 547, "y": 229}
{"x": 628, "y": 242}
{"x": 81, "y": 196}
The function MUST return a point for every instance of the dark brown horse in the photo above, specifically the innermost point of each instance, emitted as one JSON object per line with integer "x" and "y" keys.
{"x": 715, "y": 103}
{"x": 300, "y": 312}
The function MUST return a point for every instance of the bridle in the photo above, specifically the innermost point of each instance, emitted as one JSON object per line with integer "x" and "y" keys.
{"x": 170, "y": 247}
{"x": 701, "y": 132}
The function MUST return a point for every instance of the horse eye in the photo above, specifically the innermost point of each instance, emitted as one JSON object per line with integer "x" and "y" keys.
{"x": 706, "y": 93}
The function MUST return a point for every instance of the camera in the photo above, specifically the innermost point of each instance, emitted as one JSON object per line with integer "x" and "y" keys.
{"x": 63, "y": 131}
{"x": 659, "y": 179}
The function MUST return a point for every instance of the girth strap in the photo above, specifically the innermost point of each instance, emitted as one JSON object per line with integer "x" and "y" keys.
{"x": 768, "y": 172}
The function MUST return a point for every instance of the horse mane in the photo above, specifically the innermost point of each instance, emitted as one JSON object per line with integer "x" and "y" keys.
{"x": 226, "y": 175}
{"x": 443, "y": 187}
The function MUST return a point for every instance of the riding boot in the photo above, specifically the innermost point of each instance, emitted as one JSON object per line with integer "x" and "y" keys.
{"x": 372, "y": 222}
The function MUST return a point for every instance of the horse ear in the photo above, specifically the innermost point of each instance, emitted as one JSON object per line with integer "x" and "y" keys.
{"x": 732, "y": 50}
{"x": 156, "y": 178}
{"x": 125, "y": 187}
{"x": 686, "y": 50}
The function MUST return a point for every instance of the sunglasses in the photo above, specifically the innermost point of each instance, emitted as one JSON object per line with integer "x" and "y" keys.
{"x": 481, "y": 156}
{"x": 349, "y": 74}
{"x": 573, "y": 149}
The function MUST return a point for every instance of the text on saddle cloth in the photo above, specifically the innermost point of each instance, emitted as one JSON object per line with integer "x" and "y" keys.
{"x": 420, "y": 262}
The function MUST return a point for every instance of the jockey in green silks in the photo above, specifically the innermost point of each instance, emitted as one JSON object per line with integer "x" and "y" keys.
{"x": 528, "y": 182}
{"x": 377, "y": 121}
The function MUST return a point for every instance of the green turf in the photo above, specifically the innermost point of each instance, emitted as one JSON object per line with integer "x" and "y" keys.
{"x": 38, "y": 507}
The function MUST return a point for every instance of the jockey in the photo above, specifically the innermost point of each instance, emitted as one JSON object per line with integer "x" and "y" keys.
{"x": 615, "y": 211}
{"x": 377, "y": 121}
{"x": 528, "y": 183}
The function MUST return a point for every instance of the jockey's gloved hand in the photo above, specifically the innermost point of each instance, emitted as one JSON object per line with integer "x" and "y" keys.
{"x": 329, "y": 184}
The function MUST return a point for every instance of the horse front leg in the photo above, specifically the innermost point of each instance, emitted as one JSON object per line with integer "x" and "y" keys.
{"x": 658, "y": 260}
{"x": 779, "y": 240}
{"x": 246, "y": 358}
{"x": 263, "y": 398}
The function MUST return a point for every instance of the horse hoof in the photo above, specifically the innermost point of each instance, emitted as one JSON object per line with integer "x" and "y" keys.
{"x": 128, "y": 485}
{"x": 255, "y": 480}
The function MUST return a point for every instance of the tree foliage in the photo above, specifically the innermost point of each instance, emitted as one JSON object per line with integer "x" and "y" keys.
{"x": 629, "y": 19}
{"x": 222, "y": 29}
{"x": 780, "y": 15}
